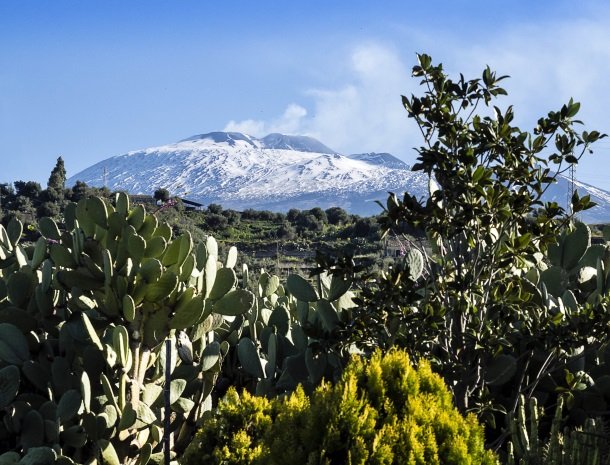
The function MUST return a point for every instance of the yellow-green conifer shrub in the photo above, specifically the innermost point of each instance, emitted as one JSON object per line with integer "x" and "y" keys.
{"x": 383, "y": 411}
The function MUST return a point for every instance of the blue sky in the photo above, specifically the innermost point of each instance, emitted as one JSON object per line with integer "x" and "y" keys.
{"x": 92, "y": 79}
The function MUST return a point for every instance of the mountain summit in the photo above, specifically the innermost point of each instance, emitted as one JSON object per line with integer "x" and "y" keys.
{"x": 230, "y": 138}
{"x": 298, "y": 143}
{"x": 271, "y": 141}
{"x": 279, "y": 172}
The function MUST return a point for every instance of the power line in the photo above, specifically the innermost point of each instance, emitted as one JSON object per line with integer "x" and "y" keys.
{"x": 571, "y": 190}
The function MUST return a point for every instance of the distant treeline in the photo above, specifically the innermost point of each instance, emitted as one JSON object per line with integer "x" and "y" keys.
{"x": 28, "y": 201}
{"x": 293, "y": 224}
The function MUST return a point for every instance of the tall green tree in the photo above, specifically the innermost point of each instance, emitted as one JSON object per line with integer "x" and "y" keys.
{"x": 57, "y": 182}
{"x": 7, "y": 193}
{"x": 80, "y": 190}
{"x": 473, "y": 310}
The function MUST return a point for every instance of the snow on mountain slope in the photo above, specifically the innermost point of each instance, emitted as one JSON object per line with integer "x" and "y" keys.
{"x": 382, "y": 159}
{"x": 280, "y": 172}
{"x": 240, "y": 171}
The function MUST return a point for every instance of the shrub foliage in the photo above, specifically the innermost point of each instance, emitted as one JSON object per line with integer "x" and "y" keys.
{"x": 381, "y": 412}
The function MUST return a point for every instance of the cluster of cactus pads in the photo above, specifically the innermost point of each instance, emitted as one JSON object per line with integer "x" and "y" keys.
{"x": 292, "y": 334}
{"x": 577, "y": 271}
{"x": 573, "y": 284}
{"x": 85, "y": 311}
{"x": 83, "y": 316}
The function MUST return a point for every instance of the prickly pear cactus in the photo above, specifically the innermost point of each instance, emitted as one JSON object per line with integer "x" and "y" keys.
{"x": 577, "y": 266}
{"x": 291, "y": 335}
{"x": 415, "y": 263}
{"x": 572, "y": 286}
{"x": 83, "y": 316}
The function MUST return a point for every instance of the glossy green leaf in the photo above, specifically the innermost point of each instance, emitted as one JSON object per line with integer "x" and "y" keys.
{"x": 338, "y": 286}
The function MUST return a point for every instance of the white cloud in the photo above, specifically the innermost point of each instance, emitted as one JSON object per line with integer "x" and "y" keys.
{"x": 363, "y": 115}
{"x": 549, "y": 63}
{"x": 247, "y": 126}
{"x": 288, "y": 123}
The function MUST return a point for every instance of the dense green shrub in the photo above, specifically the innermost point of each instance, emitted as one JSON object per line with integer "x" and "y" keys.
{"x": 381, "y": 412}
{"x": 336, "y": 215}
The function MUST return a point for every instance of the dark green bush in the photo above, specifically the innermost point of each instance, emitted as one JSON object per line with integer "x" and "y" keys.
{"x": 381, "y": 412}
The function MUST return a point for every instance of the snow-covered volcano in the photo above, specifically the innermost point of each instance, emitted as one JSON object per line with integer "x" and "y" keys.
{"x": 279, "y": 172}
